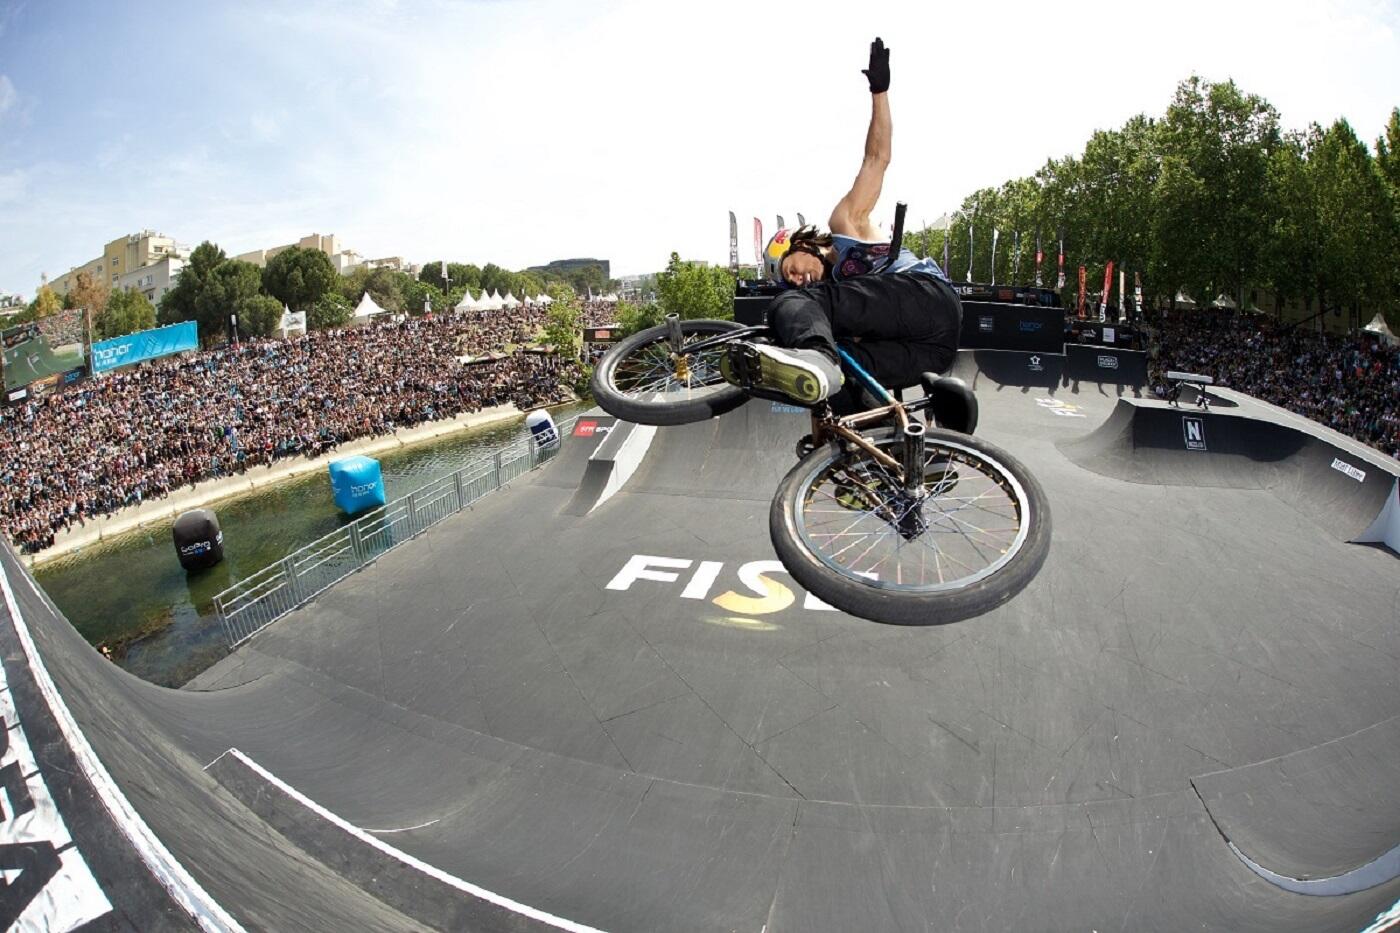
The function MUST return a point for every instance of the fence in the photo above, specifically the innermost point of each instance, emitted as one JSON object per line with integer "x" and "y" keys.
{"x": 250, "y": 605}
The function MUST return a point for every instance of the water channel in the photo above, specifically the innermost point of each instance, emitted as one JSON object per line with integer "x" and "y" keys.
{"x": 128, "y": 595}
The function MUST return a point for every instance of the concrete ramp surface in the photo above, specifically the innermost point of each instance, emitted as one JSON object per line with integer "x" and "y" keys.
{"x": 632, "y": 719}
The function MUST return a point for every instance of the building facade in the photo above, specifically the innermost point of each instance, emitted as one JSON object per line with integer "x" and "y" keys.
{"x": 153, "y": 280}
{"x": 120, "y": 257}
{"x": 344, "y": 260}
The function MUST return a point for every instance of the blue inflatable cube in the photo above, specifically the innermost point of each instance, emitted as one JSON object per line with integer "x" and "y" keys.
{"x": 357, "y": 484}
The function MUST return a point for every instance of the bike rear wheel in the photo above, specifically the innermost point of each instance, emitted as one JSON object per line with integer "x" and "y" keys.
{"x": 971, "y": 538}
{"x": 641, "y": 379}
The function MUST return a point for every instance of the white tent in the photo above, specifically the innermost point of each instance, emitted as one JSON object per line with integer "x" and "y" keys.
{"x": 365, "y": 310}
{"x": 545, "y": 300}
{"x": 1381, "y": 329}
{"x": 509, "y": 301}
{"x": 495, "y": 302}
{"x": 468, "y": 303}
{"x": 291, "y": 323}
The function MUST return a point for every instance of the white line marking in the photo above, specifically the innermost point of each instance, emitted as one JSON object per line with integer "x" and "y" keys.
{"x": 178, "y": 882}
{"x": 431, "y": 871}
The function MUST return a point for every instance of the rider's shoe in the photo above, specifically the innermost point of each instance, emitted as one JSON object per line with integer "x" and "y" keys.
{"x": 805, "y": 376}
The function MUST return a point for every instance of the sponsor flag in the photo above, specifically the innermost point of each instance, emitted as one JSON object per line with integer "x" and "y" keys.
{"x": 1039, "y": 257}
{"x": 1122, "y": 299}
{"x": 995, "y": 235}
{"x": 801, "y": 221}
{"x": 947, "y": 237}
{"x": 733, "y": 244}
{"x": 1016, "y": 257}
{"x": 926, "y": 249}
{"x": 970, "y": 242}
{"x": 1060, "y": 280}
{"x": 758, "y": 245}
{"x": 781, "y": 223}
{"x": 1082, "y": 276}
{"x": 1107, "y": 287}
{"x": 1137, "y": 294}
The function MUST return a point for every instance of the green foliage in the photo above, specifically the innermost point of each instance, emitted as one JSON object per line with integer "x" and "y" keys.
{"x": 418, "y": 296}
{"x": 1211, "y": 198}
{"x": 44, "y": 304}
{"x": 563, "y": 328}
{"x": 692, "y": 291}
{"x": 299, "y": 277}
{"x": 634, "y": 317}
{"x": 332, "y": 310}
{"x": 179, "y": 303}
{"x": 127, "y": 312}
{"x": 229, "y": 285}
{"x": 386, "y": 287}
{"x": 258, "y": 315}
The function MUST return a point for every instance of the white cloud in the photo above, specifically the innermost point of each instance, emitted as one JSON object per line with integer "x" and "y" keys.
{"x": 8, "y": 94}
{"x": 528, "y": 131}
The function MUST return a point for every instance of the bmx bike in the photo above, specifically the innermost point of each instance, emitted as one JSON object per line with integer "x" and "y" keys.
{"x": 897, "y": 514}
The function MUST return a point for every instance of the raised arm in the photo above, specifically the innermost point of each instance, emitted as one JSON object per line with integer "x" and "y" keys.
{"x": 851, "y": 216}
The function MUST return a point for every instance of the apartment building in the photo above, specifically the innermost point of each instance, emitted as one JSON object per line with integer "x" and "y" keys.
{"x": 120, "y": 257}
{"x": 153, "y": 280}
{"x": 343, "y": 259}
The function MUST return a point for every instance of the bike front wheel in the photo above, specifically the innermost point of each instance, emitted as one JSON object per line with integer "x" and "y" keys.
{"x": 971, "y": 537}
{"x": 644, "y": 380}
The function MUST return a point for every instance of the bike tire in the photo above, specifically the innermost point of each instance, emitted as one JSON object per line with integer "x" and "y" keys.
{"x": 630, "y": 383}
{"x": 886, "y": 602}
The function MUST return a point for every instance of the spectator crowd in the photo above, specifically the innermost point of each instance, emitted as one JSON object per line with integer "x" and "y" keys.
{"x": 143, "y": 432}
{"x": 1350, "y": 384}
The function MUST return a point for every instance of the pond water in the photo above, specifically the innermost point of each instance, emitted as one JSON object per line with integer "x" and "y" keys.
{"x": 128, "y": 594}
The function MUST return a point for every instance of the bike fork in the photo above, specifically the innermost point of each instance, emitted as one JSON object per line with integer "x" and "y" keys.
{"x": 912, "y": 458}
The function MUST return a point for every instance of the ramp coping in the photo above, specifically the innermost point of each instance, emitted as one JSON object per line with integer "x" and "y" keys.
{"x": 177, "y": 881}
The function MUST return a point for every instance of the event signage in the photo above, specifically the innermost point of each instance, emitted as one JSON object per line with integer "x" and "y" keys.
{"x": 145, "y": 345}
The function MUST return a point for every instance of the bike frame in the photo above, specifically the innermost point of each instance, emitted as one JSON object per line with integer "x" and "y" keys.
{"x": 826, "y": 426}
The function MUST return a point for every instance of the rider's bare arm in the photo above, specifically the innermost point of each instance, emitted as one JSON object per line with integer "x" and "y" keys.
{"x": 851, "y": 216}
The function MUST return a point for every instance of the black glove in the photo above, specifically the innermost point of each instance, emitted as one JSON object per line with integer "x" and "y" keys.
{"x": 879, "y": 70}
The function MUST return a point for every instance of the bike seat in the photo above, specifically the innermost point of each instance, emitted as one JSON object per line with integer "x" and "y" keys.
{"x": 954, "y": 407}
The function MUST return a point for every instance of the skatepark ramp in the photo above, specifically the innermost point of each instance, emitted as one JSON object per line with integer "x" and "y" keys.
{"x": 1330, "y": 478}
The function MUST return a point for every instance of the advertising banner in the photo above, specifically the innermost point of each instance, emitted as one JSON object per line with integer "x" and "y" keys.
{"x": 144, "y": 345}
{"x": 1039, "y": 258}
{"x": 1083, "y": 274}
{"x": 1060, "y": 280}
{"x": 758, "y": 245}
{"x": 46, "y": 352}
{"x": 733, "y": 244}
{"x": 1107, "y": 287}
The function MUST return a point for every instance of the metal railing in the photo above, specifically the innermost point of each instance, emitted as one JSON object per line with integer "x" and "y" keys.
{"x": 253, "y": 603}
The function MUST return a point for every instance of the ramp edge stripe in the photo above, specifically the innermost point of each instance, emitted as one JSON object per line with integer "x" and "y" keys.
{"x": 1375, "y": 872}
{"x": 432, "y": 871}
{"x": 177, "y": 881}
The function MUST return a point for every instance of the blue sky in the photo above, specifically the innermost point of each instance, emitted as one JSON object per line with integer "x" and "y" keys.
{"x": 520, "y": 132}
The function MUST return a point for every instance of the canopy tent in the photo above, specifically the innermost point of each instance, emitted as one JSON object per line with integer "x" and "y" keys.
{"x": 509, "y": 301}
{"x": 544, "y": 299}
{"x": 1381, "y": 329}
{"x": 468, "y": 303}
{"x": 365, "y": 310}
{"x": 291, "y": 323}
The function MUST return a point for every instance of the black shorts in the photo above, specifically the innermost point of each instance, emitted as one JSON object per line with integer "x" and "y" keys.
{"x": 895, "y": 326}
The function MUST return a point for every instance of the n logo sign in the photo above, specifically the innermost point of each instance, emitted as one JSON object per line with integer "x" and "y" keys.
{"x": 1194, "y": 431}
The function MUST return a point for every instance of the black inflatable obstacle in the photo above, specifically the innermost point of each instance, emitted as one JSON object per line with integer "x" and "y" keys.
{"x": 198, "y": 541}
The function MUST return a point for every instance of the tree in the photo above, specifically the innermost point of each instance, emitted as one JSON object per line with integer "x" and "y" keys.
{"x": 1214, "y": 210}
{"x": 634, "y": 317}
{"x": 299, "y": 277}
{"x": 691, "y": 290}
{"x": 385, "y": 286}
{"x": 1388, "y": 152}
{"x": 127, "y": 312}
{"x": 89, "y": 292}
{"x": 45, "y": 303}
{"x": 228, "y": 286}
{"x": 178, "y": 304}
{"x": 1355, "y": 216}
{"x": 563, "y": 328}
{"x": 332, "y": 310}
{"x": 258, "y": 315}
